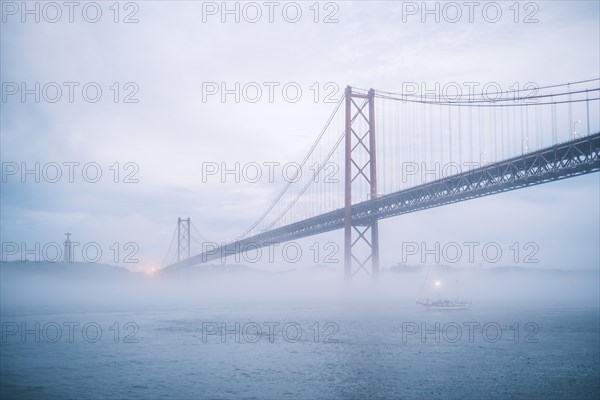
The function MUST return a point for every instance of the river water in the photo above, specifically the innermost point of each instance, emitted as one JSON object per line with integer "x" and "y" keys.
{"x": 342, "y": 350}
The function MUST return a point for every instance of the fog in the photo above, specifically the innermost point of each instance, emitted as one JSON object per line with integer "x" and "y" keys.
{"x": 99, "y": 287}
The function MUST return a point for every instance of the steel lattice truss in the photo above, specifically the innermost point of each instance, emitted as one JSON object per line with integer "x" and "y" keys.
{"x": 183, "y": 239}
{"x": 360, "y": 140}
{"x": 573, "y": 158}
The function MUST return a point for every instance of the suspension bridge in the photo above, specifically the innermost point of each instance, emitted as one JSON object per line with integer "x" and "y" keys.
{"x": 383, "y": 154}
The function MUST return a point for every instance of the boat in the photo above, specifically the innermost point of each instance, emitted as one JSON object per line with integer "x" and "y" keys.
{"x": 444, "y": 304}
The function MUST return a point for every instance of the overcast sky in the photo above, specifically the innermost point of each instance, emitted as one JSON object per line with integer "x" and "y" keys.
{"x": 162, "y": 61}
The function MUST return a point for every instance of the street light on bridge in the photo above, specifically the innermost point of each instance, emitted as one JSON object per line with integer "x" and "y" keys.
{"x": 481, "y": 163}
{"x": 575, "y": 128}
{"x": 524, "y": 145}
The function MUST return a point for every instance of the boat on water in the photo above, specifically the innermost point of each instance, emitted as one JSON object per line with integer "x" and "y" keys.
{"x": 444, "y": 305}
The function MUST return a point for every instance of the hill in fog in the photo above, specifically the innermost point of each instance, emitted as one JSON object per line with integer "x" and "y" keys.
{"x": 74, "y": 269}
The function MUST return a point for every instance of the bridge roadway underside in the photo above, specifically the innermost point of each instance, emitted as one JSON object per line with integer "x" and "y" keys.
{"x": 576, "y": 157}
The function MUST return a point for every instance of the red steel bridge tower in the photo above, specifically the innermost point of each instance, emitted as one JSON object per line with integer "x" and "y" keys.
{"x": 183, "y": 239}
{"x": 360, "y": 169}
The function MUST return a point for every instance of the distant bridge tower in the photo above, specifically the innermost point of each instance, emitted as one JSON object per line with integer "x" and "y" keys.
{"x": 183, "y": 239}
{"x": 360, "y": 165}
{"x": 68, "y": 256}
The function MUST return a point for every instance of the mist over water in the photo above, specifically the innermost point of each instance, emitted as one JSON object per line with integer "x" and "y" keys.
{"x": 75, "y": 285}
{"x": 232, "y": 331}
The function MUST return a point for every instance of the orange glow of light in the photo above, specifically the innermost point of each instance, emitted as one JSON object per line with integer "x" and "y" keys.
{"x": 150, "y": 270}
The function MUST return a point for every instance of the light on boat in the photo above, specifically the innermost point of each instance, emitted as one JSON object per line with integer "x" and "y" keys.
{"x": 437, "y": 283}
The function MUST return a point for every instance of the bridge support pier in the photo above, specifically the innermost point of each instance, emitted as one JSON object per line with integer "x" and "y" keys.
{"x": 360, "y": 154}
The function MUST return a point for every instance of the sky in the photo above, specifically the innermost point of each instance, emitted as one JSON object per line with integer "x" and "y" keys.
{"x": 156, "y": 126}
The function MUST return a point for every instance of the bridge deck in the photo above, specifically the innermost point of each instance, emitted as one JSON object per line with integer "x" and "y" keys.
{"x": 576, "y": 157}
